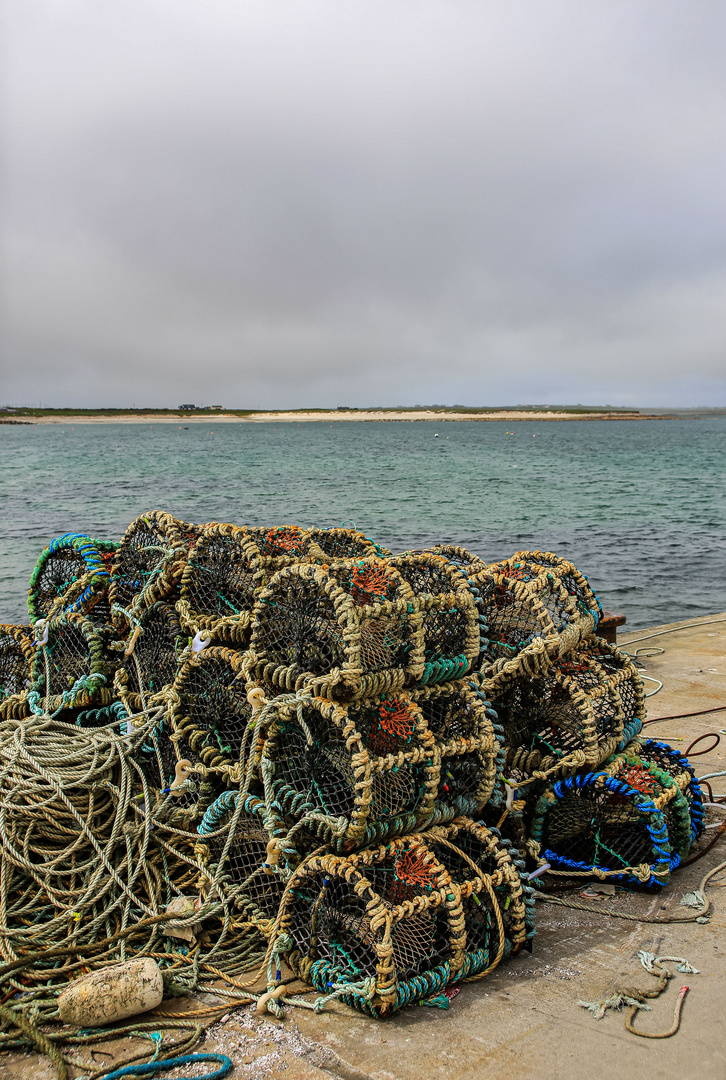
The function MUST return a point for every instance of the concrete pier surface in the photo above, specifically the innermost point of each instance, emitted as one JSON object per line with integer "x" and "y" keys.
{"x": 523, "y": 1021}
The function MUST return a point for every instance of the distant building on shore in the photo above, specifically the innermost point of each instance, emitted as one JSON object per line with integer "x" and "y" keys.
{"x": 187, "y": 408}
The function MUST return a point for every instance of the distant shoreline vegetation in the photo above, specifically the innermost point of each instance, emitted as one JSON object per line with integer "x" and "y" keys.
{"x": 26, "y": 414}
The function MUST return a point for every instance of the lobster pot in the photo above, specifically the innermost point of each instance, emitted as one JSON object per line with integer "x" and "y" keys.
{"x": 497, "y": 926}
{"x": 537, "y": 608}
{"x": 16, "y": 655}
{"x": 348, "y": 630}
{"x": 70, "y": 560}
{"x": 452, "y": 624}
{"x": 346, "y": 544}
{"x": 390, "y": 923}
{"x": 573, "y": 715}
{"x": 220, "y": 584}
{"x": 458, "y": 717}
{"x": 630, "y": 822}
{"x": 72, "y": 667}
{"x": 459, "y": 556}
{"x": 210, "y": 710}
{"x": 352, "y": 773}
{"x": 248, "y": 864}
{"x": 149, "y": 563}
{"x": 151, "y": 656}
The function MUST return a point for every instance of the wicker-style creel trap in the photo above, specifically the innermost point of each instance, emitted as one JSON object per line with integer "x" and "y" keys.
{"x": 351, "y": 629}
{"x": 537, "y": 608}
{"x": 571, "y": 716}
{"x": 322, "y": 754}
{"x": 634, "y": 820}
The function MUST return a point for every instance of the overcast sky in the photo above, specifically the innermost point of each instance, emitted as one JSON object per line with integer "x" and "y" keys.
{"x": 268, "y": 203}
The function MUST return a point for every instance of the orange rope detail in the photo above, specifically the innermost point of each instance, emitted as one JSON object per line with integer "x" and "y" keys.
{"x": 411, "y": 870}
{"x": 640, "y": 779}
{"x": 396, "y": 719}
{"x": 369, "y": 580}
{"x": 284, "y": 538}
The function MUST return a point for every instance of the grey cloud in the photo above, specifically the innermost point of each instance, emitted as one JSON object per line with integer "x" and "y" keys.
{"x": 315, "y": 203}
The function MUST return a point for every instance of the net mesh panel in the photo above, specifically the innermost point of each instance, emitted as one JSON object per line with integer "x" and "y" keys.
{"x": 534, "y": 595}
{"x": 347, "y": 630}
{"x": 210, "y": 707}
{"x": 666, "y": 761}
{"x": 74, "y": 666}
{"x": 346, "y": 544}
{"x": 16, "y": 654}
{"x": 153, "y": 663}
{"x": 580, "y": 706}
{"x": 451, "y": 624}
{"x": 150, "y": 560}
{"x": 671, "y": 761}
{"x": 220, "y": 584}
{"x": 68, "y": 560}
{"x": 622, "y": 675}
{"x": 364, "y": 770}
{"x": 457, "y": 715}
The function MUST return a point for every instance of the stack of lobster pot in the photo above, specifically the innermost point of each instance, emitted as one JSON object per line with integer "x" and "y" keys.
{"x": 373, "y": 733}
{"x": 370, "y": 752}
{"x": 570, "y": 708}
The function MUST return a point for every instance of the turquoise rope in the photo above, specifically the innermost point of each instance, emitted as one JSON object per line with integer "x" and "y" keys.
{"x": 152, "y": 1067}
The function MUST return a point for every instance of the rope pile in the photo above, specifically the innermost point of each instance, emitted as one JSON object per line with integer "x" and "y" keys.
{"x": 226, "y": 745}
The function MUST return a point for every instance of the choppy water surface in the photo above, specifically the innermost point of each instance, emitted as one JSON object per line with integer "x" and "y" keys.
{"x": 640, "y": 507}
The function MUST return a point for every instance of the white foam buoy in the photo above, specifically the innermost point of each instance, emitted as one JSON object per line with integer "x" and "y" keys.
{"x": 112, "y": 994}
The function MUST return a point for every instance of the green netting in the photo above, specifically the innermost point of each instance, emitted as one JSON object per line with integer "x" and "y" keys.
{"x": 630, "y": 821}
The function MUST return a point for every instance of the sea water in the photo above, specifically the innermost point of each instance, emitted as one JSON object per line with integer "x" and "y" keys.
{"x": 638, "y": 506}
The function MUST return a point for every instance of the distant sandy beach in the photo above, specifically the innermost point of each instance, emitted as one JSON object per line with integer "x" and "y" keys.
{"x": 332, "y": 416}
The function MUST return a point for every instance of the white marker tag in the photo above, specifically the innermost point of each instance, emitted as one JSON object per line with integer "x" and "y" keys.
{"x": 199, "y": 642}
